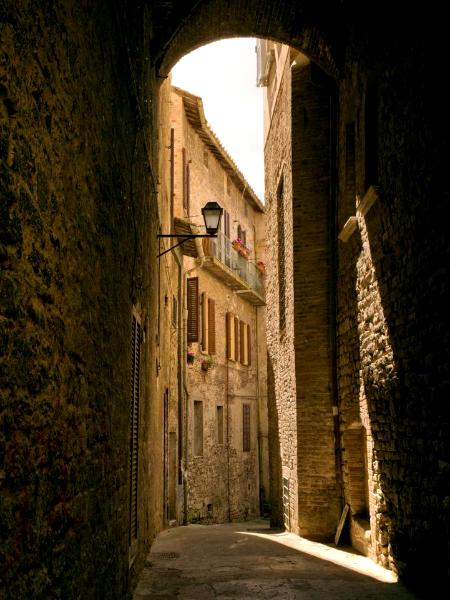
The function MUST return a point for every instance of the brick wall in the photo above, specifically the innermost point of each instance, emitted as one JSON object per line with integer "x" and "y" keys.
{"x": 280, "y": 345}
{"x": 319, "y": 494}
{"x": 298, "y": 184}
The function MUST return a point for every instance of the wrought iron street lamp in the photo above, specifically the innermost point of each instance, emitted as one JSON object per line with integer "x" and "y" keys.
{"x": 212, "y": 213}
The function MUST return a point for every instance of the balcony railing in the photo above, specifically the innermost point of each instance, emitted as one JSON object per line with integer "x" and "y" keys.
{"x": 243, "y": 269}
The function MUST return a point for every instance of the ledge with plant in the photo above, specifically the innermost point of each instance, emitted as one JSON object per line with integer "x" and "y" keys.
{"x": 240, "y": 247}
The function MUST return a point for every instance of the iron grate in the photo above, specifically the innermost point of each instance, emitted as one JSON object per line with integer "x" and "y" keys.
{"x": 164, "y": 555}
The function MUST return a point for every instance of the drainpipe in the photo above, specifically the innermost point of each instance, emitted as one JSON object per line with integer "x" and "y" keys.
{"x": 258, "y": 411}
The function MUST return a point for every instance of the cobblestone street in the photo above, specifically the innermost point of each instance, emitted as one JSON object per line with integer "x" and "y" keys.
{"x": 249, "y": 560}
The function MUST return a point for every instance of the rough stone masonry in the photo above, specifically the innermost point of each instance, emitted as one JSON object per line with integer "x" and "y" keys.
{"x": 78, "y": 221}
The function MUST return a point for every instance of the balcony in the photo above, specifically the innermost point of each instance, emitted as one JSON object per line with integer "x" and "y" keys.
{"x": 235, "y": 271}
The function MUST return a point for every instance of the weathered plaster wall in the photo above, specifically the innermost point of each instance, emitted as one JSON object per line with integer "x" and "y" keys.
{"x": 225, "y": 476}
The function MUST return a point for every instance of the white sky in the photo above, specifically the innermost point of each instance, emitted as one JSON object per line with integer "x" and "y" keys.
{"x": 223, "y": 74}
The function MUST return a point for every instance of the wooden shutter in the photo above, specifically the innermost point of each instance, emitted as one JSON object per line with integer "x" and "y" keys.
{"x": 249, "y": 346}
{"x": 236, "y": 339}
{"x": 211, "y": 326}
{"x": 192, "y": 306}
{"x": 134, "y": 425}
{"x": 242, "y": 342}
{"x": 204, "y": 322}
{"x": 230, "y": 336}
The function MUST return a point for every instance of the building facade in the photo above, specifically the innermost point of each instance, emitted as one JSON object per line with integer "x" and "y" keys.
{"x": 329, "y": 370}
{"x": 224, "y": 456}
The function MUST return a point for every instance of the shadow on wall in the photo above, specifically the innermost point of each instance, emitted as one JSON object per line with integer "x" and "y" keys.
{"x": 406, "y": 390}
{"x": 276, "y": 493}
{"x": 354, "y": 422}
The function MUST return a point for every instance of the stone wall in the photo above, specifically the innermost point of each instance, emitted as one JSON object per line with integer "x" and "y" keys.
{"x": 225, "y": 476}
{"x": 297, "y": 156}
{"x": 390, "y": 370}
{"x": 78, "y": 217}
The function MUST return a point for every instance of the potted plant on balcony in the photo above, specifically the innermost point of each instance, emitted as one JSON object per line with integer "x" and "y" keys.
{"x": 261, "y": 267}
{"x": 240, "y": 247}
{"x": 207, "y": 362}
{"x": 190, "y": 357}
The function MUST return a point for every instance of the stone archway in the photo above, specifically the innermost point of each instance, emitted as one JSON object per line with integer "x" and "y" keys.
{"x": 314, "y": 495}
{"x": 300, "y": 25}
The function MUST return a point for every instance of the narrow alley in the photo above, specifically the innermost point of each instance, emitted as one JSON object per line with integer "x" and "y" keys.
{"x": 251, "y": 560}
{"x": 180, "y": 356}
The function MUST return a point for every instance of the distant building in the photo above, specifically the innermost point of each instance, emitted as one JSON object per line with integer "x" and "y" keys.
{"x": 224, "y": 450}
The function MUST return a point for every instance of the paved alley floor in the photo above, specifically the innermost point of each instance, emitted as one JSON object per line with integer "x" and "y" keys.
{"x": 240, "y": 561}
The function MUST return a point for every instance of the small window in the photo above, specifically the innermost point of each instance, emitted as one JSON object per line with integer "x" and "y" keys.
{"x": 198, "y": 428}
{"x": 220, "y": 424}
{"x": 205, "y": 157}
{"x": 246, "y": 427}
